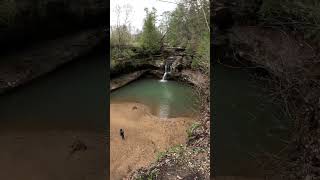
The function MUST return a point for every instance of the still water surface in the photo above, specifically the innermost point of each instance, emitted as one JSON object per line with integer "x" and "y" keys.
{"x": 246, "y": 123}
{"x": 73, "y": 97}
{"x": 166, "y": 99}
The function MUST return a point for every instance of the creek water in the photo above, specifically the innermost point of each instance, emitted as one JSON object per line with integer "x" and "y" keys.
{"x": 72, "y": 97}
{"x": 246, "y": 123}
{"x": 166, "y": 99}
{"x": 41, "y": 123}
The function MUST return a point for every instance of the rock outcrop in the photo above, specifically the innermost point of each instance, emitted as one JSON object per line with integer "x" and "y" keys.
{"x": 20, "y": 68}
{"x": 39, "y": 20}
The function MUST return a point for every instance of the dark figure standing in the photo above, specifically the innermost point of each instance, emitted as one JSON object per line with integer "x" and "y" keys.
{"x": 122, "y": 134}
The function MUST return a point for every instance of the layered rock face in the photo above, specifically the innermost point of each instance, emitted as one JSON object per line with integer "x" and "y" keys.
{"x": 38, "y": 36}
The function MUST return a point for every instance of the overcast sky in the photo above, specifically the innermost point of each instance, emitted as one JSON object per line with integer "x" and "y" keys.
{"x": 138, "y": 13}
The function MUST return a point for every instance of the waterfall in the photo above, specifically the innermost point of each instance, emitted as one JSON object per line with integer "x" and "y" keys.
{"x": 166, "y": 72}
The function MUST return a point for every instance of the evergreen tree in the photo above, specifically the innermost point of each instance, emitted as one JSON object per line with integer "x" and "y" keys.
{"x": 150, "y": 38}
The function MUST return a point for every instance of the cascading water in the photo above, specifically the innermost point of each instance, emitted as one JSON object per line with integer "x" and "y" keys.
{"x": 166, "y": 72}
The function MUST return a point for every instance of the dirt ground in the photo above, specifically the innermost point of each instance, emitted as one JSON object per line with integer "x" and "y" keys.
{"x": 50, "y": 155}
{"x": 145, "y": 136}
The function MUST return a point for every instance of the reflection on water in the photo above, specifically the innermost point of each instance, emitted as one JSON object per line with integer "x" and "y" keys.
{"x": 246, "y": 123}
{"x": 164, "y": 103}
{"x": 164, "y": 109}
{"x": 166, "y": 99}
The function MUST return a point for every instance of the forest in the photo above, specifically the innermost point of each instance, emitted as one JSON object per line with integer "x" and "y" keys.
{"x": 186, "y": 27}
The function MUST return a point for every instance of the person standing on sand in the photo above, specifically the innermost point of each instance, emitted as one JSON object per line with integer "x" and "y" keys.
{"x": 122, "y": 134}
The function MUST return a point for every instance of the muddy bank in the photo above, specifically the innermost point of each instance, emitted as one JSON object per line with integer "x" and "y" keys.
{"x": 23, "y": 66}
{"x": 145, "y": 137}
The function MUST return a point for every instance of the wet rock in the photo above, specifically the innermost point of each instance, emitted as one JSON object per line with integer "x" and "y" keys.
{"x": 124, "y": 79}
{"x": 177, "y": 64}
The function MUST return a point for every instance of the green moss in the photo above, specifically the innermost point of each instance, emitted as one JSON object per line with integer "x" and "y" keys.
{"x": 151, "y": 176}
{"x": 177, "y": 150}
{"x": 192, "y": 128}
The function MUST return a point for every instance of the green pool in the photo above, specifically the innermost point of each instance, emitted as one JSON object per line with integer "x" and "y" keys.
{"x": 166, "y": 99}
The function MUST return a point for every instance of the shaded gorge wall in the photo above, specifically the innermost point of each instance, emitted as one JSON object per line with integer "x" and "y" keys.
{"x": 24, "y": 21}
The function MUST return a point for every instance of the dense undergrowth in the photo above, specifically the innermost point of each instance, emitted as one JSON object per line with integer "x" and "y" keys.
{"x": 296, "y": 16}
{"x": 293, "y": 80}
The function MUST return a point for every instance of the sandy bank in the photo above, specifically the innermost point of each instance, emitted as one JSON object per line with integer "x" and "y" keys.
{"x": 145, "y": 136}
{"x": 48, "y": 155}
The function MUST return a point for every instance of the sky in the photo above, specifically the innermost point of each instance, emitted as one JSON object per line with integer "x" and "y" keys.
{"x": 138, "y": 7}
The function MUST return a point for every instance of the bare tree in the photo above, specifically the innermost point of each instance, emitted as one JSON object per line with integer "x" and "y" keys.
{"x": 121, "y": 33}
{"x": 123, "y": 25}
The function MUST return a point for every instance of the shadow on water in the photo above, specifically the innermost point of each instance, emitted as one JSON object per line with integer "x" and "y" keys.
{"x": 246, "y": 123}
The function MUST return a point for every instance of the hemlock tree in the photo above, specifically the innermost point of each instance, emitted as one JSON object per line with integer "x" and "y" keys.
{"x": 151, "y": 37}
{"x": 178, "y": 31}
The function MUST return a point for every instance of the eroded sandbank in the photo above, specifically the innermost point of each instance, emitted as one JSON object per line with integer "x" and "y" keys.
{"x": 145, "y": 136}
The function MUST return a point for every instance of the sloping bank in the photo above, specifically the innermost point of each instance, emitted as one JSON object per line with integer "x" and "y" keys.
{"x": 39, "y": 36}
{"x": 191, "y": 160}
{"x": 289, "y": 65}
{"x": 41, "y": 58}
